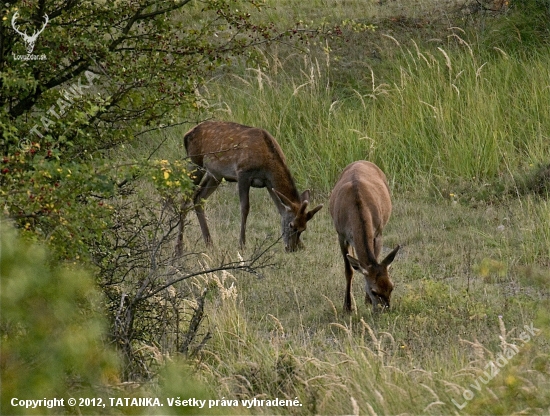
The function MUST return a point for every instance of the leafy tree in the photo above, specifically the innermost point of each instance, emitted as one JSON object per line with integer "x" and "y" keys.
{"x": 101, "y": 74}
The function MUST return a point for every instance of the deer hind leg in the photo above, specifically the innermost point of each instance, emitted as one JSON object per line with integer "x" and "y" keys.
{"x": 244, "y": 197}
{"x": 348, "y": 271}
{"x": 185, "y": 205}
{"x": 208, "y": 185}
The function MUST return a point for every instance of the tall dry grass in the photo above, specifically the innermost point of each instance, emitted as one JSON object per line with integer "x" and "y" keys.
{"x": 445, "y": 112}
{"x": 452, "y": 125}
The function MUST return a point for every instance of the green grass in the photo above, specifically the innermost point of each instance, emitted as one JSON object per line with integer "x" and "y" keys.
{"x": 285, "y": 335}
{"x": 456, "y": 125}
{"x": 336, "y": 11}
{"x": 438, "y": 115}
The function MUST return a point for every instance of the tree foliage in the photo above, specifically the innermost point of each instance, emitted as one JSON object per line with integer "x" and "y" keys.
{"x": 113, "y": 68}
{"x": 80, "y": 79}
{"x": 101, "y": 74}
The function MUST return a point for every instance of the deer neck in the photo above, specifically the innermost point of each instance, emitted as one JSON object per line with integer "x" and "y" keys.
{"x": 284, "y": 183}
{"x": 363, "y": 240}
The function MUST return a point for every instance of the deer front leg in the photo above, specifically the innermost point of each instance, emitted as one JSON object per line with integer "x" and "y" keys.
{"x": 244, "y": 197}
{"x": 185, "y": 206}
{"x": 207, "y": 186}
{"x": 348, "y": 271}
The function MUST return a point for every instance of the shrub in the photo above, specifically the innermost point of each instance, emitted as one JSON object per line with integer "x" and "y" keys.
{"x": 51, "y": 328}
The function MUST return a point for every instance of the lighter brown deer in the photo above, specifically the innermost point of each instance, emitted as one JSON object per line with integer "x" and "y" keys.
{"x": 252, "y": 158}
{"x": 360, "y": 206}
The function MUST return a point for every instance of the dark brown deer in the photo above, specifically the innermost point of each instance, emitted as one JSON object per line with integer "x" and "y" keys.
{"x": 252, "y": 158}
{"x": 360, "y": 206}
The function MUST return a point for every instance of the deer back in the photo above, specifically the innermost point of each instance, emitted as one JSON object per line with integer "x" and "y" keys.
{"x": 360, "y": 206}
{"x": 226, "y": 149}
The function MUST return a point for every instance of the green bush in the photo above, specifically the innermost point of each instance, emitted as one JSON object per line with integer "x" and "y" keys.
{"x": 50, "y": 328}
{"x": 53, "y": 341}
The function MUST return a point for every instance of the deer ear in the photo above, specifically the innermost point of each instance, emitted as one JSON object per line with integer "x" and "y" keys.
{"x": 285, "y": 202}
{"x": 305, "y": 196}
{"x": 390, "y": 257}
{"x": 354, "y": 263}
{"x": 314, "y": 211}
{"x": 303, "y": 207}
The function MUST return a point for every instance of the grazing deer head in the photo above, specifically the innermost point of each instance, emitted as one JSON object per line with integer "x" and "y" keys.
{"x": 252, "y": 158}
{"x": 360, "y": 206}
{"x": 294, "y": 219}
{"x": 29, "y": 40}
